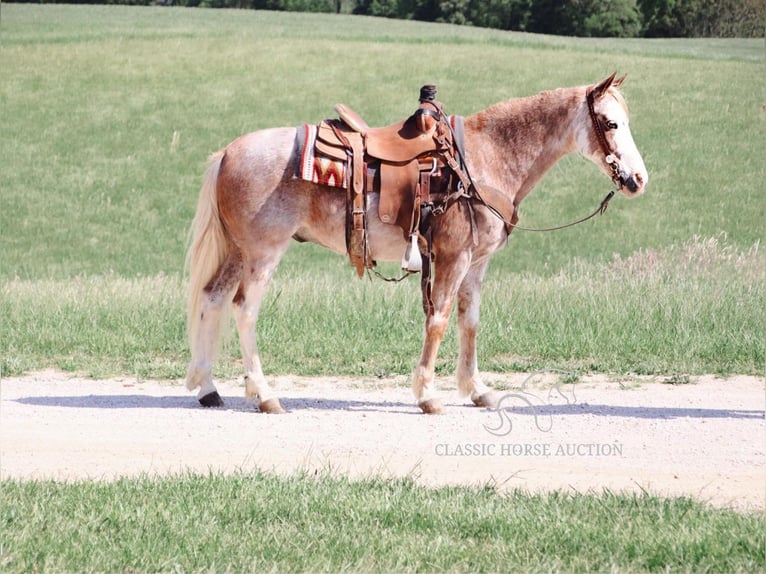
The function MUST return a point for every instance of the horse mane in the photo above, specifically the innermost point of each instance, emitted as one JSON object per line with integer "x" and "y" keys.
{"x": 518, "y": 107}
{"x": 522, "y": 109}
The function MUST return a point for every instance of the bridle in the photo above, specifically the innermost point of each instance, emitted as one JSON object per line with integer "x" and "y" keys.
{"x": 609, "y": 157}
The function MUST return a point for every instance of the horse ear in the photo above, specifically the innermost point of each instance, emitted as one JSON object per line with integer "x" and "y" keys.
{"x": 601, "y": 88}
{"x": 618, "y": 82}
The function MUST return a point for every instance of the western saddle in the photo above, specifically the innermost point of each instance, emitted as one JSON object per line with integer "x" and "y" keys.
{"x": 416, "y": 165}
{"x": 413, "y": 164}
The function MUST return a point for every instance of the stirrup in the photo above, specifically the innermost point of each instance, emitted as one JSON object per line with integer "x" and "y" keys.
{"x": 412, "y": 260}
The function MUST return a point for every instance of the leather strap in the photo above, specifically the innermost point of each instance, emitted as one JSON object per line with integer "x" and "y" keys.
{"x": 601, "y": 136}
{"x": 357, "y": 249}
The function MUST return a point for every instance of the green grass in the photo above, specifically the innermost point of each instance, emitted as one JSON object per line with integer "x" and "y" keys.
{"x": 108, "y": 113}
{"x": 249, "y": 523}
{"x": 697, "y": 308}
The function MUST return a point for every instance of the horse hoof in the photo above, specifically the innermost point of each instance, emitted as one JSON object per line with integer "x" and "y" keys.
{"x": 432, "y": 407}
{"x": 211, "y": 400}
{"x": 271, "y": 407}
{"x": 488, "y": 400}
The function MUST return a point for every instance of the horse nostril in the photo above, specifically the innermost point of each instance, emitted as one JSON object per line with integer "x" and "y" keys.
{"x": 633, "y": 183}
{"x": 639, "y": 178}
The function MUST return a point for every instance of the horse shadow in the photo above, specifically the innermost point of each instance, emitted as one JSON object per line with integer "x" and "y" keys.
{"x": 521, "y": 404}
{"x": 633, "y": 412}
{"x": 231, "y": 403}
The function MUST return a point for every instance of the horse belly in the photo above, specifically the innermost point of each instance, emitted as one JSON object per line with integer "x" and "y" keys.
{"x": 326, "y": 226}
{"x": 325, "y": 218}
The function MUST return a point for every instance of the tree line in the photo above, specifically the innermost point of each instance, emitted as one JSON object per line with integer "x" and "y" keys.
{"x": 615, "y": 18}
{"x": 605, "y": 18}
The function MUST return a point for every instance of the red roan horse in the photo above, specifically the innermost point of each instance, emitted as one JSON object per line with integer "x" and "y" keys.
{"x": 251, "y": 206}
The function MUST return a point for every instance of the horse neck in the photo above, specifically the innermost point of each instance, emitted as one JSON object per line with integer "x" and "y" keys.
{"x": 521, "y": 139}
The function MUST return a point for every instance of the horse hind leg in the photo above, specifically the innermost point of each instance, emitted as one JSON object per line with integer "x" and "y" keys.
{"x": 247, "y": 303}
{"x": 215, "y": 298}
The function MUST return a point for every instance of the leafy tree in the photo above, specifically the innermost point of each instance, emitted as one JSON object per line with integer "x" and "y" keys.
{"x": 703, "y": 18}
{"x": 659, "y": 17}
{"x": 383, "y": 8}
{"x": 585, "y": 17}
{"x": 615, "y": 18}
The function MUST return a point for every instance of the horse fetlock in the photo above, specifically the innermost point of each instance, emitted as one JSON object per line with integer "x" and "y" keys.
{"x": 422, "y": 379}
{"x": 251, "y": 388}
{"x": 198, "y": 375}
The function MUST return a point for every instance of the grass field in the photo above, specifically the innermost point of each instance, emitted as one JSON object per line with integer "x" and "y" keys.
{"x": 107, "y": 115}
{"x": 307, "y": 524}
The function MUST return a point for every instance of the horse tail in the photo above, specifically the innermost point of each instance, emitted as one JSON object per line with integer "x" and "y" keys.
{"x": 207, "y": 246}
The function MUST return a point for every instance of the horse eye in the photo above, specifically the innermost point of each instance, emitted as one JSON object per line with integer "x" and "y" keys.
{"x": 611, "y": 125}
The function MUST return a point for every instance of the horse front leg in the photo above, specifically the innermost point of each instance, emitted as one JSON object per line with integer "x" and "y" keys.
{"x": 468, "y": 379}
{"x": 447, "y": 278}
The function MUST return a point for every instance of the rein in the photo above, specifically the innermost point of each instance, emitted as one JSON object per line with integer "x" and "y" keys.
{"x": 598, "y": 211}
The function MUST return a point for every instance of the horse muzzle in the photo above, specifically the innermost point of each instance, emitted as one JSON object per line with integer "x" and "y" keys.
{"x": 634, "y": 183}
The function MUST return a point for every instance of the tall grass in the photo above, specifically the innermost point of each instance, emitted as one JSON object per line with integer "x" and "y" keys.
{"x": 695, "y": 308}
{"x": 261, "y": 523}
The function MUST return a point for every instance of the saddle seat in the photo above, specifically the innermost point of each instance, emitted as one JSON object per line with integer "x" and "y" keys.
{"x": 400, "y": 142}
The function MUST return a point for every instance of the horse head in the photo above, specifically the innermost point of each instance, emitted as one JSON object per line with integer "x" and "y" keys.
{"x": 606, "y": 140}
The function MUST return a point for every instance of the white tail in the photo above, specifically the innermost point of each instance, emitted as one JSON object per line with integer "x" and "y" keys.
{"x": 207, "y": 249}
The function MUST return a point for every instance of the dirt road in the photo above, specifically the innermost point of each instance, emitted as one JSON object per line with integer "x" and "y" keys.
{"x": 705, "y": 437}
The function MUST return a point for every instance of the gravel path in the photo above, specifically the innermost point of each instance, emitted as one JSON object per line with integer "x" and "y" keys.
{"x": 705, "y": 438}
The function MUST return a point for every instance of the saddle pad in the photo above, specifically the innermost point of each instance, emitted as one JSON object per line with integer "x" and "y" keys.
{"x": 314, "y": 167}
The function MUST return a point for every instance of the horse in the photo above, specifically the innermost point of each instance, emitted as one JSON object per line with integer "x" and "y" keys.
{"x": 251, "y": 207}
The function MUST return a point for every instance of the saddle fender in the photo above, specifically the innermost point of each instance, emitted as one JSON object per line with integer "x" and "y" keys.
{"x": 397, "y": 192}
